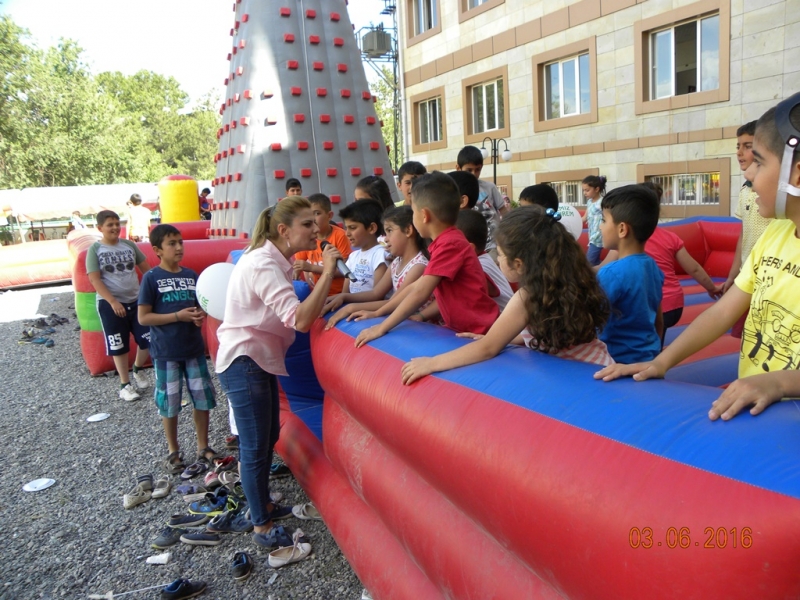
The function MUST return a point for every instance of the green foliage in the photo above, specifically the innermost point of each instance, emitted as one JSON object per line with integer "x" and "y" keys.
{"x": 383, "y": 88}
{"x": 61, "y": 125}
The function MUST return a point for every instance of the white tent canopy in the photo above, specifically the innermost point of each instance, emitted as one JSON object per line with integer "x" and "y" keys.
{"x": 41, "y": 204}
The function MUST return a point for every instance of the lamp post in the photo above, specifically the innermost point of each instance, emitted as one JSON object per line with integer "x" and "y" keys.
{"x": 495, "y": 147}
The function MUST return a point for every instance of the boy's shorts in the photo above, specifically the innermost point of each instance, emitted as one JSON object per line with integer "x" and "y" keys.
{"x": 169, "y": 385}
{"x": 117, "y": 330}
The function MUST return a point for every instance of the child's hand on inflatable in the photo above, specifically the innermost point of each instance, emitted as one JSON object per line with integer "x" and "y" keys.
{"x": 758, "y": 391}
{"x": 369, "y": 334}
{"x": 360, "y": 315}
{"x": 640, "y": 371}
{"x": 470, "y": 335}
{"x": 340, "y": 314}
{"x": 333, "y": 303}
{"x": 416, "y": 369}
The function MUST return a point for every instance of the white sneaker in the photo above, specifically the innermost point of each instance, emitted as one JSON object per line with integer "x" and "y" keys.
{"x": 129, "y": 394}
{"x": 140, "y": 380}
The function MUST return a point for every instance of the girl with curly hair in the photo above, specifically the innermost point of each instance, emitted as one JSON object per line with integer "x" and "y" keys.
{"x": 558, "y": 309}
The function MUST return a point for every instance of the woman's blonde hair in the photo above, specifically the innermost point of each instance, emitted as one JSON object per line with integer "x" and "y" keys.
{"x": 266, "y": 227}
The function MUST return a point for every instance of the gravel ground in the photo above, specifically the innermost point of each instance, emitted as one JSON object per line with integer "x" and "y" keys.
{"x": 75, "y": 538}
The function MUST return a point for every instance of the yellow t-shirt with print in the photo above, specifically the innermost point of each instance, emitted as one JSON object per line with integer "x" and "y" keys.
{"x": 753, "y": 224}
{"x": 771, "y": 274}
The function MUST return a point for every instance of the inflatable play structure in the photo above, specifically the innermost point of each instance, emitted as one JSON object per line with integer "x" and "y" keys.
{"x": 523, "y": 477}
{"x": 297, "y": 104}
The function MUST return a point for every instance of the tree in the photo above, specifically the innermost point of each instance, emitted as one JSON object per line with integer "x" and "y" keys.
{"x": 384, "y": 89}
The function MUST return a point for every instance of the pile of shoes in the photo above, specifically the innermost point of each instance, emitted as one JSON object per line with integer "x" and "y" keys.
{"x": 146, "y": 489}
{"x": 38, "y": 331}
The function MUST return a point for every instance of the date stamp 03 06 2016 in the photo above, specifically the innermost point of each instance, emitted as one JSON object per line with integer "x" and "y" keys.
{"x": 674, "y": 537}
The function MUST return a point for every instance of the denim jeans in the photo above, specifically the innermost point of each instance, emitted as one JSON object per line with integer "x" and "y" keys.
{"x": 253, "y": 394}
{"x": 593, "y": 254}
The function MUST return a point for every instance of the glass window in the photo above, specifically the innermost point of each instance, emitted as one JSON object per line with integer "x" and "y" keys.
{"x": 430, "y": 120}
{"x": 567, "y": 87}
{"x": 569, "y": 192}
{"x": 424, "y": 15}
{"x": 687, "y": 189}
{"x": 685, "y": 58}
{"x": 488, "y": 107}
{"x": 475, "y": 3}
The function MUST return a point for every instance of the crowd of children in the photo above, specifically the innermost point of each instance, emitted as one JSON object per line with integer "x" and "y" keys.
{"x": 450, "y": 251}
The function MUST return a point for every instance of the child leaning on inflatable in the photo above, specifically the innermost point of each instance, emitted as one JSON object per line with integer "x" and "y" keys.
{"x": 559, "y": 305}
{"x": 767, "y": 284}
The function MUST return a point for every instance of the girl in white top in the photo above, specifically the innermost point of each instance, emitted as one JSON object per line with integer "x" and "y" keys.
{"x": 558, "y": 308}
{"x": 410, "y": 257}
{"x": 262, "y": 313}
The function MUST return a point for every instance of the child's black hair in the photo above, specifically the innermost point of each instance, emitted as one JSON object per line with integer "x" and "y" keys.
{"x": 747, "y": 129}
{"x": 637, "y": 205}
{"x": 473, "y": 225}
{"x": 438, "y": 193}
{"x": 377, "y": 189}
{"x": 656, "y": 188}
{"x": 293, "y": 183}
{"x": 467, "y": 186}
{"x": 768, "y": 134}
{"x": 105, "y": 215}
{"x": 365, "y": 212}
{"x": 596, "y": 181}
{"x": 469, "y": 155}
{"x": 403, "y": 217}
{"x": 563, "y": 299}
{"x": 136, "y": 199}
{"x": 540, "y": 194}
{"x": 320, "y": 200}
{"x": 205, "y": 191}
{"x": 160, "y": 232}
{"x": 411, "y": 167}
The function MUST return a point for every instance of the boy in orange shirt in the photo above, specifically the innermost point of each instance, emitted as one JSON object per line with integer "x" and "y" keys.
{"x": 310, "y": 261}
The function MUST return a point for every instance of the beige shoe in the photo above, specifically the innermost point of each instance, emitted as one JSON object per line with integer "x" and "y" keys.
{"x": 290, "y": 554}
{"x": 137, "y": 495}
{"x": 163, "y": 487}
{"x": 307, "y": 512}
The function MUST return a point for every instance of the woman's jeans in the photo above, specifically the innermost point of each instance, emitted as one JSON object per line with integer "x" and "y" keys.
{"x": 253, "y": 394}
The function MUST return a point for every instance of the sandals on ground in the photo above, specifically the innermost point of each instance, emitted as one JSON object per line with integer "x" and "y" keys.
{"x": 174, "y": 464}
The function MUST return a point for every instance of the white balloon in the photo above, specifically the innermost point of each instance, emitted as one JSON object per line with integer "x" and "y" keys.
{"x": 212, "y": 287}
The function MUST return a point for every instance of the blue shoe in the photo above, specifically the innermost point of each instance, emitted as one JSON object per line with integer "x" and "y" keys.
{"x": 230, "y": 522}
{"x": 278, "y": 470}
{"x": 280, "y": 512}
{"x": 180, "y": 589}
{"x": 242, "y": 566}
{"x": 276, "y": 538}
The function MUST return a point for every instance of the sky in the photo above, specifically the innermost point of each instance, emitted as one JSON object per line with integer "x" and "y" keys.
{"x": 187, "y": 39}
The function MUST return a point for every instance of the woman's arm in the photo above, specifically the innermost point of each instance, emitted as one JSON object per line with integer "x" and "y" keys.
{"x": 310, "y": 309}
{"x": 505, "y": 330}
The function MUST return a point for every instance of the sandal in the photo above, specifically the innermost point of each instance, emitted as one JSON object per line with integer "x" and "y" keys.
{"x": 190, "y": 488}
{"x": 174, "y": 464}
{"x": 201, "y": 456}
{"x": 135, "y": 497}
{"x": 194, "y": 469}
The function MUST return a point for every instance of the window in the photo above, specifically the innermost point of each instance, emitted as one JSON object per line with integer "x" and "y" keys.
{"x": 691, "y": 188}
{"x": 688, "y": 188}
{"x": 468, "y": 9}
{"x": 425, "y": 15}
{"x": 683, "y": 57}
{"x": 565, "y": 86}
{"x": 475, "y": 3}
{"x": 569, "y": 192}
{"x": 430, "y": 121}
{"x": 428, "y": 127}
{"x": 485, "y": 106}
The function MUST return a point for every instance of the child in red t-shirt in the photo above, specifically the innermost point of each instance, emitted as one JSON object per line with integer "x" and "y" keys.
{"x": 453, "y": 274}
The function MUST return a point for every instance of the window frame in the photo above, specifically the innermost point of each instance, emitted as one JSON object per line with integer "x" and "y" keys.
{"x": 416, "y": 101}
{"x": 573, "y": 175}
{"x": 467, "y": 85}
{"x": 563, "y": 53}
{"x": 411, "y": 22}
{"x": 708, "y": 165}
{"x": 644, "y": 29}
{"x": 465, "y": 13}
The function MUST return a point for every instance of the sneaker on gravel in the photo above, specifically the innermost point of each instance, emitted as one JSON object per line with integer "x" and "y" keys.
{"x": 212, "y": 480}
{"x": 180, "y": 589}
{"x": 128, "y": 394}
{"x": 272, "y": 540}
{"x": 177, "y": 521}
{"x": 242, "y": 566}
{"x": 201, "y": 538}
{"x": 168, "y": 537}
{"x": 279, "y": 470}
{"x": 212, "y": 505}
{"x": 280, "y": 512}
{"x": 140, "y": 380}
{"x": 235, "y": 521}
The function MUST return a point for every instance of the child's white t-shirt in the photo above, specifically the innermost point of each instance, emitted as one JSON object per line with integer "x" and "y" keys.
{"x": 363, "y": 263}
{"x": 496, "y": 275}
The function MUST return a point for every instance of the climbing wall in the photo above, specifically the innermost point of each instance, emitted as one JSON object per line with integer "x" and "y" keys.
{"x": 297, "y": 104}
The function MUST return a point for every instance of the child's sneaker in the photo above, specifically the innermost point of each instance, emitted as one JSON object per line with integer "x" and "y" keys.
{"x": 129, "y": 394}
{"x": 140, "y": 379}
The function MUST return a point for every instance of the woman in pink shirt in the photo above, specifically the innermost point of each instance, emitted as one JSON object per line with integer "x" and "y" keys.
{"x": 262, "y": 313}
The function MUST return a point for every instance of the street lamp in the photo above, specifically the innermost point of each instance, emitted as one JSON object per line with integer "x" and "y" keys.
{"x": 495, "y": 147}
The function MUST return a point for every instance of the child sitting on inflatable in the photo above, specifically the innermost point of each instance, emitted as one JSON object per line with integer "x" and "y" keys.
{"x": 454, "y": 274}
{"x": 767, "y": 284}
{"x": 559, "y": 305}
{"x": 410, "y": 257}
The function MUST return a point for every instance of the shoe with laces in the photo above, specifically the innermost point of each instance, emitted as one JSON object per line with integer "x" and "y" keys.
{"x": 235, "y": 521}
{"x": 129, "y": 394}
{"x": 140, "y": 380}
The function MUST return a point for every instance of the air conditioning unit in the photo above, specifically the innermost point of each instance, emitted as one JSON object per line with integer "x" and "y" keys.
{"x": 376, "y": 43}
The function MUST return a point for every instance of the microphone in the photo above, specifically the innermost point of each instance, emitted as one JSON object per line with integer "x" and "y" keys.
{"x": 340, "y": 264}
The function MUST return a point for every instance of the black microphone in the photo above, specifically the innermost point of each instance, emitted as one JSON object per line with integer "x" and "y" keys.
{"x": 340, "y": 264}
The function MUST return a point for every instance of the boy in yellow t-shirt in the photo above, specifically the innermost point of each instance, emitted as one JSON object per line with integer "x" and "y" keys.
{"x": 308, "y": 264}
{"x": 767, "y": 284}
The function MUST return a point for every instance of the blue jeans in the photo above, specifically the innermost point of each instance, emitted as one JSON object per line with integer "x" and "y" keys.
{"x": 253, "y": 394}
{"x": 593, "y": 254}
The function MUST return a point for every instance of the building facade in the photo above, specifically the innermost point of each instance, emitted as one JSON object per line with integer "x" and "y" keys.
{"x": 653, "y": 89}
